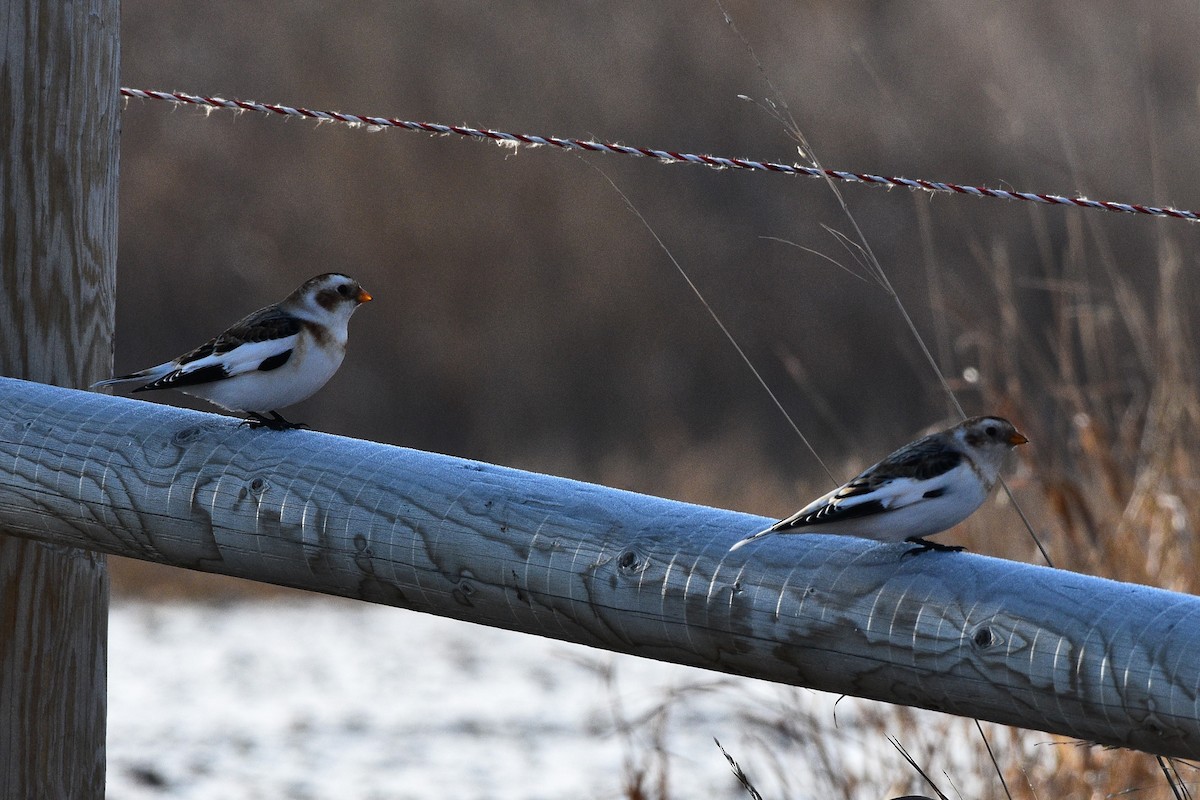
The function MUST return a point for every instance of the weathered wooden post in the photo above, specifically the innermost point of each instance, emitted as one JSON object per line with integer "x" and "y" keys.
{"x": 58, "y": 240}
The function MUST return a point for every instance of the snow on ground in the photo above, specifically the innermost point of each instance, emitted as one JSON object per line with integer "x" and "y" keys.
{"x": 327, "y": 699}
{"x": 301, "y": 699}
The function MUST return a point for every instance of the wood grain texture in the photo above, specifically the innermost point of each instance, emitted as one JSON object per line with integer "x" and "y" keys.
{"x": 58, "y": 189}
{"x": 58, "y": 207}
{"x": 1023, "y": 645}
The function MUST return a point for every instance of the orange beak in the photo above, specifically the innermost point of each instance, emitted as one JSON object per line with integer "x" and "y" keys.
{"x": 364, "y": 296}
{"x": 1017, "y": 438}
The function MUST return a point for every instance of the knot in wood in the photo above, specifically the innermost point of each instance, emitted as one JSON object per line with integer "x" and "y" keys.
{"x": 984, "y": 637}
{"x": 464, "y": 589}
{"x": 631, "y": 561}
{"x": 187, "y": 435}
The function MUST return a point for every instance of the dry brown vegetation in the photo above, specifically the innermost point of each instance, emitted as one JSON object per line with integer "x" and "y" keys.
{"x": 525, "y": 317}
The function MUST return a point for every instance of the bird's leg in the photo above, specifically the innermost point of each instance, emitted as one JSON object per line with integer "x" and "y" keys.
{"x": 275, "y": 422}
{"x": 278, "y": 423}
{"x": 926, "y": 546}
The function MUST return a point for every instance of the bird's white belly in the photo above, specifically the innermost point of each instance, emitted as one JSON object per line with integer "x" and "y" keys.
{"x": 305, "y": 372}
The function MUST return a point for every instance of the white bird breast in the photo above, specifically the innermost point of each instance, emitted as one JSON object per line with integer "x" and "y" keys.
{"x": 309, "y": 368}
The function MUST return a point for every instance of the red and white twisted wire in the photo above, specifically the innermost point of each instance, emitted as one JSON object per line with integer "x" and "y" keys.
{"x": 716, "y": 162}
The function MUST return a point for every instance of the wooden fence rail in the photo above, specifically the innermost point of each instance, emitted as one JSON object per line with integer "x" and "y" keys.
{"x": 1113, "y": 663}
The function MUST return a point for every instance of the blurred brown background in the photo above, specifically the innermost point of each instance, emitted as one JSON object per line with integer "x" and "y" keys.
{"x": 524, "y": 316}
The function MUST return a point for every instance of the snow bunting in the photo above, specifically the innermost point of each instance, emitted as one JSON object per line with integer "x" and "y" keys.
{"x": 277, "y": 356}
{"x": 921, "y": 489}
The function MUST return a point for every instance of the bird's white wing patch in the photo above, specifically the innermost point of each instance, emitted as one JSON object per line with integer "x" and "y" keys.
{"x": 246, "y": 357}
{"x": 901, "y": 492}
{"x": 891, "y": 494}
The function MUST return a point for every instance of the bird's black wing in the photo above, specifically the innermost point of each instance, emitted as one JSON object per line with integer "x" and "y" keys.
{"x": 261, "y": 326}
{"x": 867, "y": 494}
{"x": 265, "y": 325}
{"x": 921, "y": 460}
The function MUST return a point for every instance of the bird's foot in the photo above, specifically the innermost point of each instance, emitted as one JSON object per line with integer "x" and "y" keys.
{"x": 926, "y": 546}
{"x": 274, "y": 422}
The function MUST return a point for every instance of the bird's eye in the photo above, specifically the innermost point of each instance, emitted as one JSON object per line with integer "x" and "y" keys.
{"x": 344, "y": 290}
{"x": 991, "y": 431}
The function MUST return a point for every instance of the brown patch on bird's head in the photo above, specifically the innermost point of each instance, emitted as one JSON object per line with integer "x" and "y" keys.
{"x": 334, "y": 289}
{"x": 328, "y": 299}
{"x": 983, "y": 431}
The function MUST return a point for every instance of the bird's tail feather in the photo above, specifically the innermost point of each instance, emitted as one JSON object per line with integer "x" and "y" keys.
{"x": 144, "y": 376}
{"x": 113, "y": 382}
{"x": 751, "y": 538}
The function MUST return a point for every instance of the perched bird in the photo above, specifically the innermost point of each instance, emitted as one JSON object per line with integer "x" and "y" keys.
{"x": 277, "y": 356}
{"x": 921, "y": 489}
